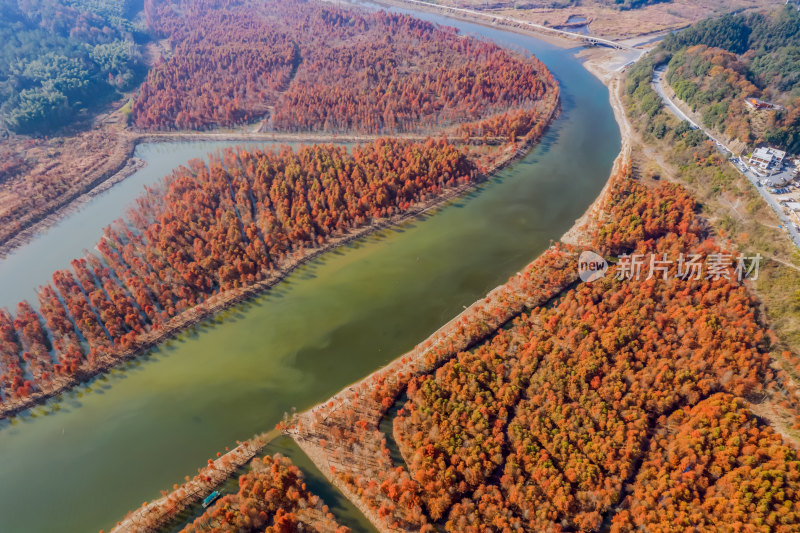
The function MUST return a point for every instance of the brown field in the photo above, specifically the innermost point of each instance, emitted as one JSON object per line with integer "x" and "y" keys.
{"x": 612, "y": 23}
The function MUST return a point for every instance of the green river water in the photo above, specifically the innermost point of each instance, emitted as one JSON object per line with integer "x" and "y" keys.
{"x": 81, "y": 462}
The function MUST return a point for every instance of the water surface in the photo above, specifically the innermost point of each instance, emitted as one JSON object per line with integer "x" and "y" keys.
{"x": 80, "y": 463}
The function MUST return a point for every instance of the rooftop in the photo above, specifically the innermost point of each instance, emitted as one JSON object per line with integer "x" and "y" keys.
{"x": 768, "y": 153}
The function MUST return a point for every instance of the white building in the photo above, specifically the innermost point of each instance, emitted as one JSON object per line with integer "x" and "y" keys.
{"x": 764, "y": 160}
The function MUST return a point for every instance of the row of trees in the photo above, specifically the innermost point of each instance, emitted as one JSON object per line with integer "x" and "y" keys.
{"x": 326, "y": 68}
{"x": 206, "y": 229}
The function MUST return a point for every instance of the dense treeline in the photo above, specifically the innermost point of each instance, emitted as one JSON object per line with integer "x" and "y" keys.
{"x": 716, "y": 63}
{"x": 546, "y": 425}
{"x": 327, "y": 68}
{"x": 558, "y": 407}
{"x": 58, "y": 56}
{"x": 272, "y": 498}
{"x": 710, "y": 465}
{"x": 206, "y": 229}
{"x": 226, "y": 68}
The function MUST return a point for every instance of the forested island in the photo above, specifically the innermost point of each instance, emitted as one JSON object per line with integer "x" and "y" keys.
{"x": 245, "y": 218}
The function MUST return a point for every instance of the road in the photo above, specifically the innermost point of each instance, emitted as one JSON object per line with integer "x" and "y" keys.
{"x": 786, "y": 222}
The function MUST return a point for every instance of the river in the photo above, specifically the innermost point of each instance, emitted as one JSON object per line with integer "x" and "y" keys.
{"x": 80, "y": 463}
{"x": 26, "y": 268}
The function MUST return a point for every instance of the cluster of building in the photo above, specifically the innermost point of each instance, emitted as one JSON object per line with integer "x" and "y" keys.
{"x": 777, "y": 171}
{"x": 770, "y": 164}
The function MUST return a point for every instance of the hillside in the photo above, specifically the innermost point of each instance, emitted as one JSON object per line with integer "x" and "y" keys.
{"x": 63, "y": 59}
{"x": 718, "y": 63}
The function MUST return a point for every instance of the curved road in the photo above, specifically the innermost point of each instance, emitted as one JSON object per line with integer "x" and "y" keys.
{"x": 786, "y": 223}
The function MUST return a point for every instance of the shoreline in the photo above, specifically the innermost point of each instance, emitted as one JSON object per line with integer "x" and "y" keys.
{"x": 194, "y": 489}
{"x": 221, "y": 301}
{"x": 133, "y": 164}
{"x": 412, "y": 362}
{"x": 551, "y": 36}
{"x": 575, "y": 236}
{"x": 52, "y": 216}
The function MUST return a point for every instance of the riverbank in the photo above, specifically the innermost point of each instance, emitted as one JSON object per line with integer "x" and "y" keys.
{"x": 597, "y": 63}
{"x": 328, "y": 432}
{"x": 579, "y": 235}
{"x": 221, "y": 301}
{"x": 315, "y": 430}
{"x": 131, "y": 164}
{"x": 341, "y": 436}
{"x": 111, "y": 169}
{"x": 156, "y": 514}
